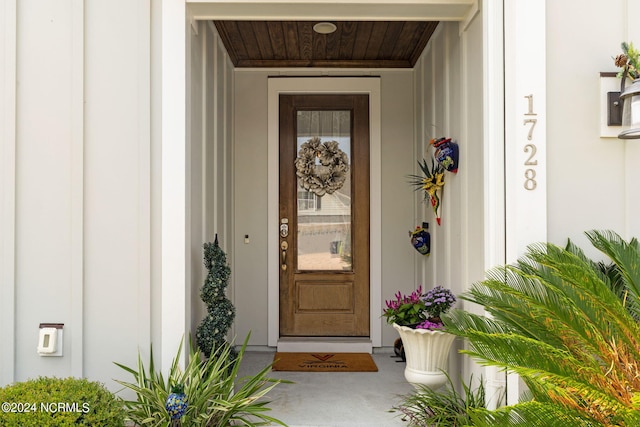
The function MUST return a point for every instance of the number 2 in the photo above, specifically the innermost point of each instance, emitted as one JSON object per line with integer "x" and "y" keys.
{"x": 530, "y": 148}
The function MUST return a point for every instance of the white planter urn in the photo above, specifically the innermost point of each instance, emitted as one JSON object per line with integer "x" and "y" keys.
{"x": 427, "y": 354}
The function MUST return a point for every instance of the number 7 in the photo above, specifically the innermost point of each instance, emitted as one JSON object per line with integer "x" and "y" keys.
{"x": 533, "y": 122}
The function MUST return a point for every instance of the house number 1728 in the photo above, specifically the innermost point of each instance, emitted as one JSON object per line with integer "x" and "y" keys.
{"x": 530, "y": 119}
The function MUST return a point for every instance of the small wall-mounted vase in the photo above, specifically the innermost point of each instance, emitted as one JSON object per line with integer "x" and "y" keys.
{"x": 421, "y": 239}
{"x": 446, "y": 153}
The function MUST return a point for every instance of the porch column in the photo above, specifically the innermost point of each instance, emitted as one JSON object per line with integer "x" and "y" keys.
{"x": 174, "y": 185}
{"x": 494, "y": 185}
{"x": 632, "y": 147}
{"x": 525, "y": 134}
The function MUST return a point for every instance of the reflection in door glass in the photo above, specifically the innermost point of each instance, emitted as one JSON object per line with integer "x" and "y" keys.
{"x": 324, "y": 222}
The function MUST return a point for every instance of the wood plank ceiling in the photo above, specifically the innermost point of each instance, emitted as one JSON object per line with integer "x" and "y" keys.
{"x": 355, "y": 44}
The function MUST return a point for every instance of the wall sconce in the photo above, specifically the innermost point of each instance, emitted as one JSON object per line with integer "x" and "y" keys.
{"x": 614, "y": 109}
{"x": 630, "y": 99}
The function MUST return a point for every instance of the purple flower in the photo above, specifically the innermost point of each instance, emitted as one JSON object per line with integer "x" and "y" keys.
{"x": 427, "y": 324}
{"x": 438, "y": 300}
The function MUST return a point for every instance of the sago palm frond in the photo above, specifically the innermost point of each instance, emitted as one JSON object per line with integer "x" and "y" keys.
{"x": 560, "y": 324}
{"x": 522, "y": 416}
{"x": 625, "y": 257}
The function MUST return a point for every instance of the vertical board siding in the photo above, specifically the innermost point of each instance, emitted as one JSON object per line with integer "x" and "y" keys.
{"x": 197, "y": 43}
{"x": 210, "y": 144}
{"x": 449, "y": 103}
{"x": 76, "y": 187}
{"x": 117, "y": 180}
{"x": 46, "y": 165}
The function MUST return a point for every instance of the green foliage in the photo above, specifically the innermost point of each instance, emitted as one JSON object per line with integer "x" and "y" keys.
{"x": 214, "y": 397}
{"x": 58, "y": 402}
{"x": 212, "y": 332}
{"x": 559, "y": 322}
{"x": 406, "y": 309}
{"x": 614, "y": 275}
{"x": 445, "y": 407}
{"x": 633, "y": 64}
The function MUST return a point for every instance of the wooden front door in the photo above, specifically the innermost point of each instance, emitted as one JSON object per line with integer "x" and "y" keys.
{"x": 324, "y": 238}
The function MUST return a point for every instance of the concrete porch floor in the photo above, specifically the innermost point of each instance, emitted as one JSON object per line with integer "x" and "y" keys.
{"x": 332, "y": 399}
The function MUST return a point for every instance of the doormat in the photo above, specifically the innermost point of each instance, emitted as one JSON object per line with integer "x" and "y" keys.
{"x": 324, "y": 362}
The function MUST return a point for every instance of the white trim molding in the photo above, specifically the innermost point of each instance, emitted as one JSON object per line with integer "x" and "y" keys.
{"x": 494, "y": 190}
{"x": 344, "y": 85}
{"x": 401, "y": 10}
{"x": 8, "y": 62}
{"x": 144, "y": 174}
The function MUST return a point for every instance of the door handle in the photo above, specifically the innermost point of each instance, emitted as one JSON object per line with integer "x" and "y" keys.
{"x": 283, "y": 260}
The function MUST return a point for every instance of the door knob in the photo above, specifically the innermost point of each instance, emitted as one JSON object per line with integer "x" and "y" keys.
{"x": 283, "y": 260}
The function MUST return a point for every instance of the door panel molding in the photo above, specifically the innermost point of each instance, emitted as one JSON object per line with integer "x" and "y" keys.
{"x": 329, "y": 85}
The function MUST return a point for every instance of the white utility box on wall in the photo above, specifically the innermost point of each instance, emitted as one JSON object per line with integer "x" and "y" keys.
{"x": 50, "y": 340}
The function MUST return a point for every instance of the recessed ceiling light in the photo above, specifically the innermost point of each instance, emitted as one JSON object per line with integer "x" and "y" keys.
{"x": 324, "y": 28}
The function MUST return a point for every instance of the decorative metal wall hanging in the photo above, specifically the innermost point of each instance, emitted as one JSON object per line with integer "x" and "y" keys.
{"x": 445, "y": 158}
{"x": 431, "y": 183}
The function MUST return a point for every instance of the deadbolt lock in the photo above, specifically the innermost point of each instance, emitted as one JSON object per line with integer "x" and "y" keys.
{"x": 284, "y": 227}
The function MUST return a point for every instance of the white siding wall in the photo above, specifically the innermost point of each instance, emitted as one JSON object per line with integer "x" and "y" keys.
{"x": 448, "y": 88}
{"x": 398, "y": 139}
{"x": 79, "y": 238}
{"x": 592, "y": 181}
{"x": 210, "y": 134}
{"x": 117, "y": 190}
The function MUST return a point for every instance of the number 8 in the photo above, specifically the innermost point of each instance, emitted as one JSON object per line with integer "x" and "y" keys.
{"x": 530, "y": 181}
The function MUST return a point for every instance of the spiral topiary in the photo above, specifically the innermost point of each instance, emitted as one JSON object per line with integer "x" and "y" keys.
{"x": 212, "y": 332}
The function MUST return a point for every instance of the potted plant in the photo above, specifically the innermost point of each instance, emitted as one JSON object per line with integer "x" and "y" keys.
{"x": 416, "y": 317}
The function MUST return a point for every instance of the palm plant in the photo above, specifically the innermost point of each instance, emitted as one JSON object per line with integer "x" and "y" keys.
{"x": 558, "y": 322}
{"x": 215, "y": 398}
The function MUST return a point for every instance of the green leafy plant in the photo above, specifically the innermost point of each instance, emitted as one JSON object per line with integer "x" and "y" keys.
{"x": 629, "y": 61}
{"x": 212, "y": 332}
{"x": 442, "y": 407}
{"x": 418, "y": 310}
{"x": 614, "y": 279}
{"x": 59, "y": 402}
{"x": 214, "y": 397}
{"x": 559, "y": 324}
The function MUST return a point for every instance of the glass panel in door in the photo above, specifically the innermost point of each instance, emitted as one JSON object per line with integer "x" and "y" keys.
{"x": 324, "y": 222}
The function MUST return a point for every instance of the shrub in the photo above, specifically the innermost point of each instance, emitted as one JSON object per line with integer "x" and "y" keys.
{"x": 443, "y": 407}
{"x": 212, "y": 332}
{"x": 58, "y": 402}
{"x": 215, "y": 397}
